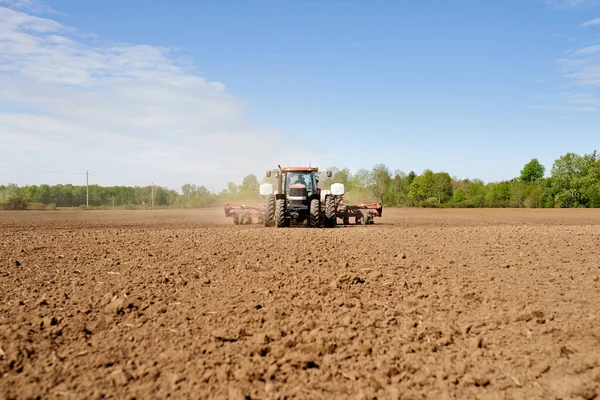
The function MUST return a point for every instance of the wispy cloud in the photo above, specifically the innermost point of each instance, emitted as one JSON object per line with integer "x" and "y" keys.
{"x": 587, "y": 51}
{"x": 128, "y": 112}
{"x": 561, "y": 108}
{"x": 581, "y": 98}
{"x": 35, "y": 6}
{"x": 568, "y": 4}
{"x": 582, "y": 67}
{"x": 567, "y": 102}
{"x": 592, "y": 22}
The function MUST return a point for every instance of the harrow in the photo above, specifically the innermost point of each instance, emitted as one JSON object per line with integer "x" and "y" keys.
{"x": 362, "y": 213}
{"x": 243, "y": 214}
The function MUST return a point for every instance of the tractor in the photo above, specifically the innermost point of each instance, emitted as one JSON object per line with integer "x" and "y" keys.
{"x": 297, "y": 200}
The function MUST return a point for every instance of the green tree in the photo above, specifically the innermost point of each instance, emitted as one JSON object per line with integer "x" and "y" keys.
{"x": 232, "y": 187}
{"x": 249, "y": 184}
{"x": 411, "y": 177}
{"x": 16, "y": 198}
{"x": 518, "y": 193}
{"x": 380, "y": 181}
{"x": 459, "y": 196}
{"x": 476, "y": 193}
{"x": 422, "y": 188}
{"x": 45, "y": 196}
{"x": 498, "y": 194}
{"x": 401, "y": 187}
{"x": 532, "y": 171}
{"x": 362, "y": 179}
{"x": 443, "y": 186}
{"x": 572, "y": 176}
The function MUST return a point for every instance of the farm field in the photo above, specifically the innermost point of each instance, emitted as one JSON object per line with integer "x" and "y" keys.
{"x": 183, "y": 303}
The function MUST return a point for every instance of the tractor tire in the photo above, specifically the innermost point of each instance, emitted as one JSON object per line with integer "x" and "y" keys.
{"x": 236, "y": 218}
{"x": 315, "y": 213}
{"x": 280, "y": 220}
{"x": 269, "y": 211}
{"x": 330, "y": 212}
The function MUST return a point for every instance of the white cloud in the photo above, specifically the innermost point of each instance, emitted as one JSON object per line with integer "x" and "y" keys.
{"x": 591, "y": 23}
{"x": 130, "y": 113}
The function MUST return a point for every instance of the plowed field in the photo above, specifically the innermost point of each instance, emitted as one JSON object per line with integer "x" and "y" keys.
{"x": 184, "y": 304}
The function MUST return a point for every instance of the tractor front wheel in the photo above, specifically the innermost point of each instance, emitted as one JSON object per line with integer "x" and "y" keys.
{"x": 269, "y": 211}
{"x": 280, "y": 220}
{"x": 330, "y": 212}
{"x": 315, "y": 213}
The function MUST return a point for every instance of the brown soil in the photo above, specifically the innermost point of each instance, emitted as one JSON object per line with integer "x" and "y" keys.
{"x": 424, "y": 304}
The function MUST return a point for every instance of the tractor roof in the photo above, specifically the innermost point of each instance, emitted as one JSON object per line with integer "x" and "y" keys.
{"x": 300, "y": 169}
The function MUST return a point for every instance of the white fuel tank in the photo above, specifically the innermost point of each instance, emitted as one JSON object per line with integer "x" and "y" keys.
{"x": 337, "y": 189}
{"x": 266, "y": 189}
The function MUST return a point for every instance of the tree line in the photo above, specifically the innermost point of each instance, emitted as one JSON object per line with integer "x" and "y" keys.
{"x": 574, "y": 181}
{"x": 69, "y": 196}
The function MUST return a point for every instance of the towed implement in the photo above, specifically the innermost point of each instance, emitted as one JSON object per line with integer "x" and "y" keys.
{"x": 243, "y": 214}
{"x": 362, "y": 213}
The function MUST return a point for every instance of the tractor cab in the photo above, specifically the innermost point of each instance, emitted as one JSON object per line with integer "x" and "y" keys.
{"x": 300, "y": 186}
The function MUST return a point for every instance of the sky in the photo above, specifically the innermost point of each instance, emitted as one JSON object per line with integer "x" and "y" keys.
{"x": 206, "y": 92}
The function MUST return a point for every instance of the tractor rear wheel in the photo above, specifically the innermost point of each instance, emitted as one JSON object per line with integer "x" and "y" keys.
{"x": 315, "y": 213}
{"x": 269, "y": 211}
{"x": 330, "y": 214}
{"x": 280, "y": 220}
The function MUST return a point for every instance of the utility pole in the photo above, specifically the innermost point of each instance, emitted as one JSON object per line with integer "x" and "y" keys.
{"x": 152, "y": 194}
{"x": 87, "y": 189}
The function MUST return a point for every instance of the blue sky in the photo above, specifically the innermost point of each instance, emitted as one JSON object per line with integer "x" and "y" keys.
{"x": 207, "y": 92}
